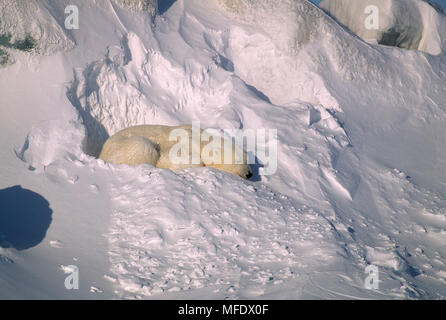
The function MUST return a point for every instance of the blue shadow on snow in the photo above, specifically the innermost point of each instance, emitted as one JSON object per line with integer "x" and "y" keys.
{"x": 25, "y": 216}
{"x": 164, "y": 5}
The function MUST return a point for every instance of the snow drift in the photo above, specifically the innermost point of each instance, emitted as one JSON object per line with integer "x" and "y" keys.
{"x": 37, "y": 20}
{"x": 410, "y": 24}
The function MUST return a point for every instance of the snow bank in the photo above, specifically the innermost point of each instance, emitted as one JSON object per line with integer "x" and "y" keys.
{"x": 223, "y": 235}
{"x": 43, "y": 21}
{"x": 410, "y": 24}
{"x": 271, "y": 58}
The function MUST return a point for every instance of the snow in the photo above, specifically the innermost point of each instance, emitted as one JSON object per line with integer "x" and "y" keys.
{"x": 410, "y": 24}
{"x": 360, "y": 136}
{"x": 38, "y": 20}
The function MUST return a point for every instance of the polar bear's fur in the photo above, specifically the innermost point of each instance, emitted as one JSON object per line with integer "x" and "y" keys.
{"x": 150, "y": 144}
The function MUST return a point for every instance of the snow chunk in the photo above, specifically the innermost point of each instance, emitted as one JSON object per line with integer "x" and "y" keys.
{"x": 49, "y": 141}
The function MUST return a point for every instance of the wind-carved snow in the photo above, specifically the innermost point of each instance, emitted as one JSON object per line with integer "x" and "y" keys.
{"x": 123, "y": 89}
{"x": 410, "y": 24}
{"x": 94, "y": 94}
{"x": 138, "y": 5}
{"x": 38, "y": 19}
{"x": 277, "y": 69}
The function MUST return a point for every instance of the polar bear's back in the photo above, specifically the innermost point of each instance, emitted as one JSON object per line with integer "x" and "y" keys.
{"x": 144, "y": 144}
{"x": 160, "y": 135}
{"x": 133, "y": 150}
{"x": 156, "y": 133}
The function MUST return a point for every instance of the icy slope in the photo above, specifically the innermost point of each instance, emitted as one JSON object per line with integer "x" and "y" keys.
{"x": 361, "y": 147}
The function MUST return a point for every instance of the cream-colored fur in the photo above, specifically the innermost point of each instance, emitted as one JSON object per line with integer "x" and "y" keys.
{"x": 150, "y": 144}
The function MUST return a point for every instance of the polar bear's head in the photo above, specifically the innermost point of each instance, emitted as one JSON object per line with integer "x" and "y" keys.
{"x": 239, "y": 168}
{"x": 242, "y": 170}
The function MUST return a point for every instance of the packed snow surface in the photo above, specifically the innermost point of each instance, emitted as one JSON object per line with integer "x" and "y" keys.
{"x": 361, "y": 151}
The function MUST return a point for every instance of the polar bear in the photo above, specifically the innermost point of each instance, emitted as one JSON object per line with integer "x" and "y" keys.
{"x": 158, "y": 145}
